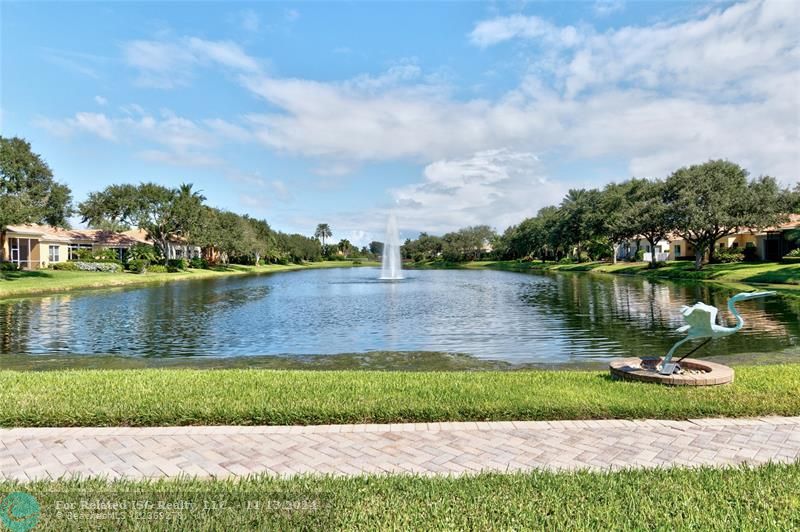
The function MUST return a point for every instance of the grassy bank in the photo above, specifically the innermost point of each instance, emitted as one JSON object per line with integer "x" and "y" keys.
{"x": 23, "y": 283}
{"x": 154, "y": 397}
{"x": 763, "y": 498}
{"x": 781, "y": 276}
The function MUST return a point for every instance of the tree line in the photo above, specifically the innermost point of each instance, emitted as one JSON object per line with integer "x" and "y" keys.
{"x": 30, "y": 194}
{"x": 179, "y": 214}
{"x": 700, "y": 203}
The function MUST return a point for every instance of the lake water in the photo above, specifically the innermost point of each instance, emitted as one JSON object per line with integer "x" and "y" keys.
{"x": 490, "y": 315}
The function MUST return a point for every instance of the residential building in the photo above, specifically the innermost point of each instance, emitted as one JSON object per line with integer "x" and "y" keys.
{"x": 771, "y": 243}
{"x": 34, "y": 246}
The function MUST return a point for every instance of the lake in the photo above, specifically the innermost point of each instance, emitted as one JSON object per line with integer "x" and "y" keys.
{"x": 515, "y": 318}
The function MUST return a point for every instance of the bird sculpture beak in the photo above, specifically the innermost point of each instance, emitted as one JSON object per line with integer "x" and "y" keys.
{"x": 754, "y": 295}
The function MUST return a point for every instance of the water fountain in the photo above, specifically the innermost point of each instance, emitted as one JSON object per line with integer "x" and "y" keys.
{"x": 391, "y": 266}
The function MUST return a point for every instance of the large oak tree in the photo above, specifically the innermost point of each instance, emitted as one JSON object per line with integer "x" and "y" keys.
{"x": 715, "y": 199}
{"x": 28, "y": 192}
{"x": 166, "y": 214}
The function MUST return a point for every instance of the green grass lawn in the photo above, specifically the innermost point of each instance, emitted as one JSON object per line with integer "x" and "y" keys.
{"x": 20, "y": 284}
{"x": 153, "y": 397}
{"x": 763, "y": 498}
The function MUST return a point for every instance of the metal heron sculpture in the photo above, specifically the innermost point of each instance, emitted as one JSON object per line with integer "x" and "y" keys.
{"x": 701, "y": 322}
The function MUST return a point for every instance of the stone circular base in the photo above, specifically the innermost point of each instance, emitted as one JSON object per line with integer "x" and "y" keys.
{"x": 698, "y": 372}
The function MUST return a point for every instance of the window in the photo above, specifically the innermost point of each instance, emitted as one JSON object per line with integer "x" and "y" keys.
{"x": 122, "y": 253}
{"x": 74, "y": 248}
{"x": 678, "y": 250}
{"x": 53, "y": 256}
{"x": 722, "y": 246}
{"x": 735, "y": 245}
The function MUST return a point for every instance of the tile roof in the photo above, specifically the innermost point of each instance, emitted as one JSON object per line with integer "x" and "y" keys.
{"x": 98, "y": 236}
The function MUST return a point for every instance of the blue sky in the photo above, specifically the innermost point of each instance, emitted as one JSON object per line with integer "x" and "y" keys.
{"x": 449, "y": 113}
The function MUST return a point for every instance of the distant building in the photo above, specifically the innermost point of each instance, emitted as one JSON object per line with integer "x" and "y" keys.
{"x": 34, "y": 246}
{"x": 771, "y": 243}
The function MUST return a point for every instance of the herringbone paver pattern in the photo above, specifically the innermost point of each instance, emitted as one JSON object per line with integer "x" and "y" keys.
{"x": 427, "y": 448}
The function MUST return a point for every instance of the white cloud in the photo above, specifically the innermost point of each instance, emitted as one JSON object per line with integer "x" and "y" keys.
{"x": 725, "y": 52}
{"x": 497, "y": 30}
{"x": 248, "y": 20}
{"x": 354, "y": 121}
{"x": 167, "y": 64}
{"x": 603, "y": 8}
{"x": 498, "y": 187}
{"x": 179, "y": 141}
{"x": 228, "y": 130}
{"x": 660, "y": 96}
{"x": 133, "y": 109}
{"x": 94, "y": 123}
{"x": 99, "y": 100}
{"x": 291, "y": 14}
{"x": 721, "y": 85}
{"x": 182, "y": 159}
{"x": 224, "y": 53}
{"x": 88, "y": 65}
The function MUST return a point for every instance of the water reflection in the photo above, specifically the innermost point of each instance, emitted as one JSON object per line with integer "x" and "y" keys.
{"x": 636, "y": 316}
{"x": 518, "y": 318}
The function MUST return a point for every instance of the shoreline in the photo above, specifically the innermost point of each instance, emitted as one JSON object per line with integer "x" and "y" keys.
{"x": 59, "y": 281}
{"x": 781, "y": 277}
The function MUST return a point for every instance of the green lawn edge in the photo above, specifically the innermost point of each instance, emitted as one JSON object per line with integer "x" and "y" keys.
{"x": 42, "y": 282}
{"x": 780, "y": 276}
{"x": 734, "y": 498}
{"x": 163, "y": 397}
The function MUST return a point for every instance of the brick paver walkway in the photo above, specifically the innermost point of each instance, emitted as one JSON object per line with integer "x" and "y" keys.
{"x": 428, "y": 448}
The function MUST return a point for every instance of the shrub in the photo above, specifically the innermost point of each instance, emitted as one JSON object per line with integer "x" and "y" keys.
{"x": 65, "y": 266}
{"x": 138, "y": 265}
{"x": 566, "y": 260}
{"x": 176, "y": 265}
{"x": 793, "y": 256}
{"x": 639, "y": 255}
{"x": 99, "y": 255}
{"x": 142, "y": 252}
{"x": 157, "y": 268}
{"x": 8, "y": 267}
{"x": 106, "y": 255}
{"x": 198, "y": 264}
{"x": 750, "y": 254}
{"x": 724, "y": 256}
{"x": 83, "y": 254}
{"x": 85, "y": 266}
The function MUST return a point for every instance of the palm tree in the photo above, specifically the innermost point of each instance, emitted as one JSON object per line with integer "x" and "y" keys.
{"x": 323, "y": 231}
{"x": 187, "y": 211}
{"x": 345, "y": 246}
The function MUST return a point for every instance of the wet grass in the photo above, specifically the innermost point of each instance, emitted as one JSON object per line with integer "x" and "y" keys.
{"x": 24, "y": 283}
{"x": 373, "y": 360}
{"x": 742, "y": 498}
{"x": 158, "y": 397}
